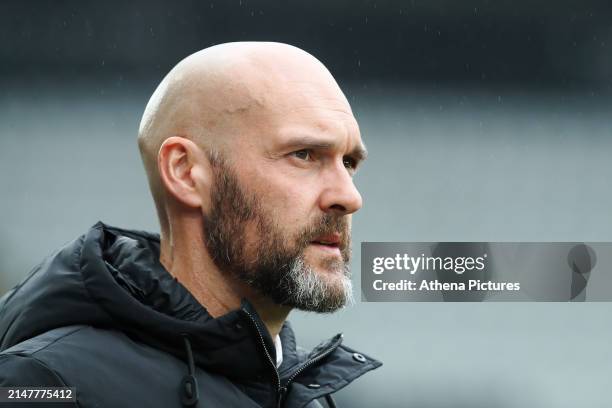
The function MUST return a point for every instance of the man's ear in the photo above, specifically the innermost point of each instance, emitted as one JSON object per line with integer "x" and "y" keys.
{"x": 184, "y": 170}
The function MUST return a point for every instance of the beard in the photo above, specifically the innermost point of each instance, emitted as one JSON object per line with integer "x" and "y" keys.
{"x": 272, "y": 262}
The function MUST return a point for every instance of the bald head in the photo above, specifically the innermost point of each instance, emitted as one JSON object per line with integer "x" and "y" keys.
{"x": 228, "y": 91}
{"x": 250, "y": 150}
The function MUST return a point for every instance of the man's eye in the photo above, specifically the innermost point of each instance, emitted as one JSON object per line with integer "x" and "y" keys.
{"x": 302, "y": 154}
{"x": 349, "y": 163}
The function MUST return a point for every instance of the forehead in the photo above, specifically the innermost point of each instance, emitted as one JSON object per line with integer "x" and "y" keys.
{"x": 325, "y": 129}
{"x": 306, "y": 111}
{"x": 289, "y": 104}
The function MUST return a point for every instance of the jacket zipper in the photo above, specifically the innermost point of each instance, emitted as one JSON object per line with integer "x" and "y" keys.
{"x": 315, "y": 359}
{"x": 281, "y": 390}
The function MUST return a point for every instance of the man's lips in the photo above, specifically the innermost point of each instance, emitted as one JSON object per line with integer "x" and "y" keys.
{"x": 326, "y": 248}
{"x": 329, "y": 239}
{"x": 329, "y": 243}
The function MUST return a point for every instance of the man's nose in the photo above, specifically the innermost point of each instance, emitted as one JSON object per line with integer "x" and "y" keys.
{"x": 340, "y": 195}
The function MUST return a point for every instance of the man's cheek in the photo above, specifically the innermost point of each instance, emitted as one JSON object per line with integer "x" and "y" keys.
{"x": 254, "y": 239}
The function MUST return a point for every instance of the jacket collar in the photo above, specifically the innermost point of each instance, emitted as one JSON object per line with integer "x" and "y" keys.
{"x": 123, "y": 275}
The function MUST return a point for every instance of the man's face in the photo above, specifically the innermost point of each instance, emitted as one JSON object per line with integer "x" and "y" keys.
{"x": 281, "y": 204}
{"x": 274, "y": 264}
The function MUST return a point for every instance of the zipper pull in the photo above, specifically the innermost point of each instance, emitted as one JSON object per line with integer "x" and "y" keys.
{"x": 281, "y": 395}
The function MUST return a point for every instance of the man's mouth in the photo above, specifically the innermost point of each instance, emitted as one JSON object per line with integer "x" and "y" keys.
{"x": 329, "y": 243}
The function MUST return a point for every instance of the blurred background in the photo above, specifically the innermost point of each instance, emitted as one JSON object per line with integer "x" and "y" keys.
{"x": 485, "y": 121}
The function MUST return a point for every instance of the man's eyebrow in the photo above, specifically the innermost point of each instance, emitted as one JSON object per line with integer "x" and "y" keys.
{"x": 359, "y": 152}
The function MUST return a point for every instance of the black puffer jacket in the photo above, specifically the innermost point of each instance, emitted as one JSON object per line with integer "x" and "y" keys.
{"x": 104, "y": 316}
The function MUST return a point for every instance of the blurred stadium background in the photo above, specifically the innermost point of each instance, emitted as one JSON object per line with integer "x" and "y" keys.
{"x": 486, "y": 121}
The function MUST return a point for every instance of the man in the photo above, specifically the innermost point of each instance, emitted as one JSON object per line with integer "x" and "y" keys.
{"x": 250, "y": 149}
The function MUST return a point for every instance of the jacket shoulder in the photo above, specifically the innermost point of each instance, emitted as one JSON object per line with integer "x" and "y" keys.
{"x": 26, "y": 371}
{"x": 20, "y": 371}
{"x": 106, "y": 367}
{"x": 42, "y": 341}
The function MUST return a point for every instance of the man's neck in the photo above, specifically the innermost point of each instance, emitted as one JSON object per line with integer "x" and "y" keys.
{"x": 218, "y": 292}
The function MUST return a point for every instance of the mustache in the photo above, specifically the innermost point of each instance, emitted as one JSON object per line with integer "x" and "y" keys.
{"x": 327, "y": 225}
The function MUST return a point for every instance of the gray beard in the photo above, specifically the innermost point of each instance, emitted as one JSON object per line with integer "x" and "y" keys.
{"x": 305, "y": 290}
